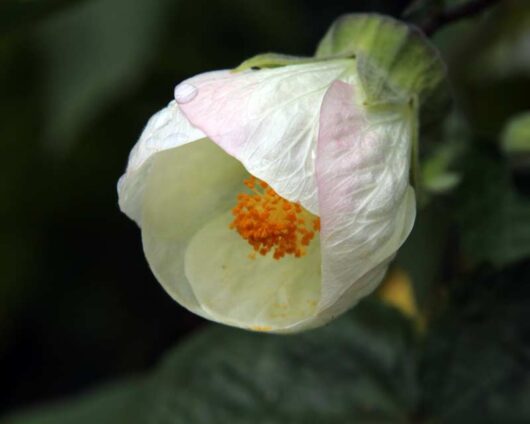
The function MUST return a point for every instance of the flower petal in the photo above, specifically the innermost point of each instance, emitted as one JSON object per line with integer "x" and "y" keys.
{"x": 260, "y": 294}
{"x": 166, "y": 129}
{"x": 367, "y": 207}
{"x": 267, "y": 119}
{"x": 187, "y": 187}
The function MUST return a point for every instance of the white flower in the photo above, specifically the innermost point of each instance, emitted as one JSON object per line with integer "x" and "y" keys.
{"x": 302, "y": 129}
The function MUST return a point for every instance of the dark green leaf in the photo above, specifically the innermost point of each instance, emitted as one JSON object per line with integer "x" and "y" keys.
{"x": 494, "y": 219}
{"x": 489, "y": 64}
{"x": 476, "y": 361}
{"x": 116, "y": 403}
{"x": 362, "y": 367}
{"x": 365, "y": 368}
{"x": 95, "y": 52}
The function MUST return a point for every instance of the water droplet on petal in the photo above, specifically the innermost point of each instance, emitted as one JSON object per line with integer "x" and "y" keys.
{"x": 185, "y": 92}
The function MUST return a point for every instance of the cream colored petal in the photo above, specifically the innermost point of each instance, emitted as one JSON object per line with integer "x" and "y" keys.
{"x": 187, "y": 187}
{"x": 261, "y": 294}
{"x": 166, "y": 129}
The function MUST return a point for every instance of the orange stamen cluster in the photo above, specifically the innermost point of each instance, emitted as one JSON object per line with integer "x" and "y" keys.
{"x": 270, "y": 222}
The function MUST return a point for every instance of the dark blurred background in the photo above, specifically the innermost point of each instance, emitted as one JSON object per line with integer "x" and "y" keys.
{"x": 78, "y": 80}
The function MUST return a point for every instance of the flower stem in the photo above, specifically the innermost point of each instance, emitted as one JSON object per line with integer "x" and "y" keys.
{"x": 466, "y": 10}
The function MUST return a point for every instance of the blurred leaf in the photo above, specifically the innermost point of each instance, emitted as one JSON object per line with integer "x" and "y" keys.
{"x": 504, "y": 52}
{"x": 94, "y": 53}
{"x": 15, "y": 14}
{"x": 441, "y": 150}
{"x": 365, "y": 368}
{"x": 422, "y": 253}
{"x": 475, "y": 368}
{"x": 441, "y": 182}
{"x": 112, "y": 404}
{"x": 489, "y": 64}
{"x": 436, "y": 176}
{"x": 516, "y": 135}
{"x": 494, "y": 219}
{"x": 361, "y": 367}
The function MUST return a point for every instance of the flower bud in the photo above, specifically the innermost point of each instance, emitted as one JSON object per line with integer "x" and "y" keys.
{"x": 273, "y": 197}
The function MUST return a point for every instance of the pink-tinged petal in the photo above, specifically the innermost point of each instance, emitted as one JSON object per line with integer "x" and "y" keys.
{"x": 367, "y": 207}
{"x": 267, "y": 119}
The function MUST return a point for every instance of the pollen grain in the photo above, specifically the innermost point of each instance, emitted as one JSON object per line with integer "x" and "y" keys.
{"x": 271, "y": 223}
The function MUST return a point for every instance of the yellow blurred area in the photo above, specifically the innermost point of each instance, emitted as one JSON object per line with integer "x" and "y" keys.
{"x": 397, "y": 291}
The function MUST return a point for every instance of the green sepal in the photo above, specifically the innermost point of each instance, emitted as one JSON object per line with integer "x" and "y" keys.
{"x": 395, "y": 61}
{"x": 377, "y": 90}
{"x": 273, "y": 60}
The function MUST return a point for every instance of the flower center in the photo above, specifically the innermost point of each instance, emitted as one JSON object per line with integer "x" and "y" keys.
{"x": 271, "y": 223}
